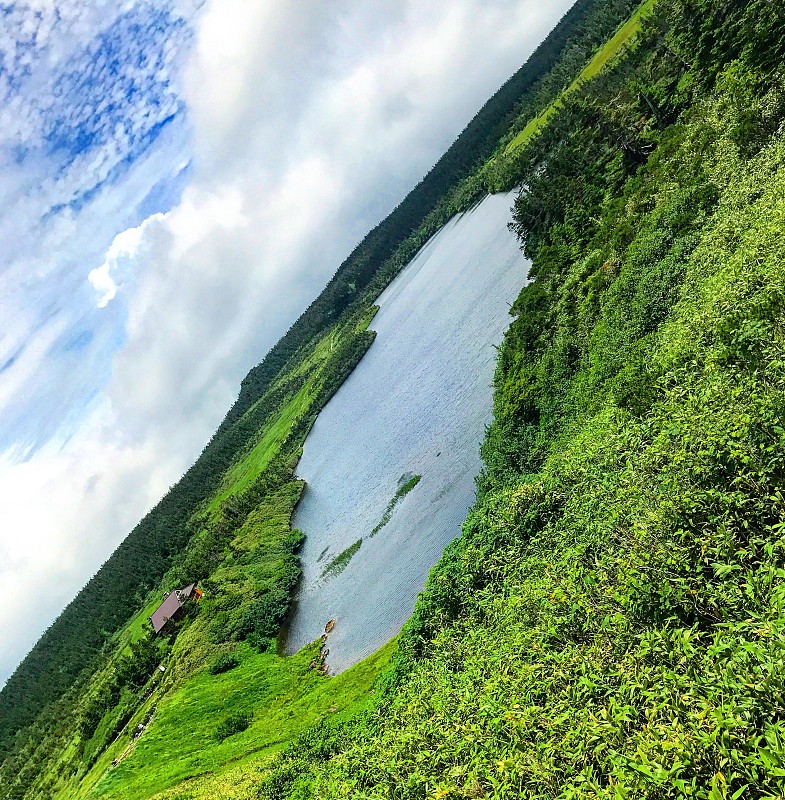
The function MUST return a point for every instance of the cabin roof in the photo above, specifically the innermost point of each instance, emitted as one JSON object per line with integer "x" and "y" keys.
{"x": 172, "y": 603}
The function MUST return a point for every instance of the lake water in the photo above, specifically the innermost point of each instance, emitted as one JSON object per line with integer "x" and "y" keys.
{"x": 417, "y": 404}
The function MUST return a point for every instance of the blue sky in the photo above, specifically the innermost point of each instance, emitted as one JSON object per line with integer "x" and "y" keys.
{"x": 177, "y": 181}
{"x": 93, "y": 139}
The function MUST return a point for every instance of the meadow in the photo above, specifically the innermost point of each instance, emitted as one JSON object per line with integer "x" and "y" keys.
{"x": 282, "y": 696}
{"x": 616, "y": 45}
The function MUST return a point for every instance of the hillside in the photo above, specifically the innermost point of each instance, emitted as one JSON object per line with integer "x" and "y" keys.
{"x": 117, "y": 590}
{"x": 74, "y": 693}
{"x": 608, "y": 625}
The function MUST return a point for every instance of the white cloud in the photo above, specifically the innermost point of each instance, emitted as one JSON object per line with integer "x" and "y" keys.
{"x": 310, "y": 122}
{"x": 119, "y": 258}
{"x": 58, "y": 510}
{"x": 83, "y": 144}
{"x": 310, "y": 125}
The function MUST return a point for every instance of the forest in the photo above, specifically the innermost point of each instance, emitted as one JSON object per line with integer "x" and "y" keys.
{"x": 609, "y": 622}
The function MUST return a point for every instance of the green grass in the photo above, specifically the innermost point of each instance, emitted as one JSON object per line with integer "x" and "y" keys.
{"x": 282, "y": 695}
{"x": 248, "y": 468}
{"x": 615, "y": 44}
{"x": 240, "y": 565}
{"x": 338, "y": 564}
{"x": 623, "y": 37}
{"x": 319, "y": 353}
{"x": 246, "y": 471}
{"x": 610, "y": 624}
{"x": 397, "y": 497}
{"x": 140, "y": 624}
{"x": 258, "y": 560}
{"x": 239, "y": 568}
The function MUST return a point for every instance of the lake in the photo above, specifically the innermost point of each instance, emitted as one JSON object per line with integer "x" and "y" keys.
{"x": 416, "y": 405}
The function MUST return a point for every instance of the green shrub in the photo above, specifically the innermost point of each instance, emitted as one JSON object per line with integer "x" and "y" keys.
{"x": 264, "y": 617}
{"x": 262, "y": 644}
{"x": 234, "y": 723}
{"x": 223, "y": 663}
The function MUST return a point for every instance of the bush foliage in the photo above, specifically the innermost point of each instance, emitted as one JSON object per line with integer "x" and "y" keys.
{"x": 234, "y": 723}
{"x": 224, "y": 663}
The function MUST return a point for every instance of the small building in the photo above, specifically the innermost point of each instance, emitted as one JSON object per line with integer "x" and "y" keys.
{"x": 172, "y": 606}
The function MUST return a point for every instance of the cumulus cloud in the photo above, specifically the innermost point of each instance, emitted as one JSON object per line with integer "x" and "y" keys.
{"x": 119, "y": 260}
{"x": 310, "y": 124}
{"x": 310, "y": 121}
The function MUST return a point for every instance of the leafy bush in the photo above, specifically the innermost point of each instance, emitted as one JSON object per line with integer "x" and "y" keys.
{"x": 293, "y": 541}
{"x": 263, "y": 644}
{"x": 137, "y": 667}
{"x": 264, "y": 617}
{"x": 234, "y": 723}
{"x": 223, "y": 663}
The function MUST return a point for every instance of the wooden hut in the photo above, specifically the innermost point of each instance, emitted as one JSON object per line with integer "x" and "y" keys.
{"x": 172, "y": 606}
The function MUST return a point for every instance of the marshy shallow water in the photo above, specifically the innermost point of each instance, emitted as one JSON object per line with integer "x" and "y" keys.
{"x": 416, "y": 405}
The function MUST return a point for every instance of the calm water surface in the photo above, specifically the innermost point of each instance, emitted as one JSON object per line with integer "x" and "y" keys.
{"x": 417, "y": 404}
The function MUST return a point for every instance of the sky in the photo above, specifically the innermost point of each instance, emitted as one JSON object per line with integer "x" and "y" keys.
{"x": 178, "y": 180}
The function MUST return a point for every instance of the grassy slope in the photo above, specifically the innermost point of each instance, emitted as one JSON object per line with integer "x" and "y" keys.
{"x": 611, "y": 623}
{"x": 622, "y": 631}
{"x": 614, "y": 46}
{"x": 242, "y": 474}
{"x": 282, "y": 694}
{"x": 251, "y": 564}
{"x": 236, "y": 479}
{"x": 63, "y": 651}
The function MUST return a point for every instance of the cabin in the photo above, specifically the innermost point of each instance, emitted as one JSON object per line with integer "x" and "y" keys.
{"x": 172, "y": 606}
